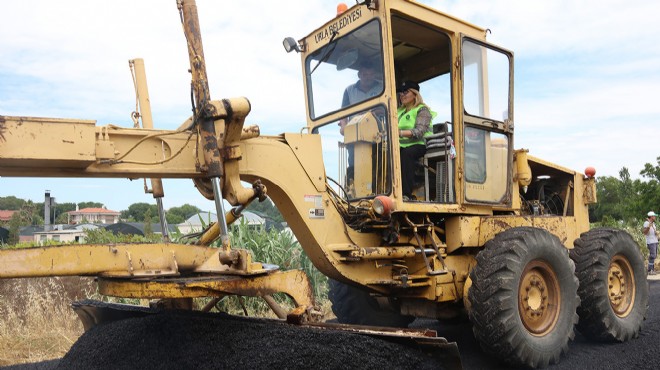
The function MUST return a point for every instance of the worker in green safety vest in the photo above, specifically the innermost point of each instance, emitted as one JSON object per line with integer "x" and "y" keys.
{"x": 414, "y": 124}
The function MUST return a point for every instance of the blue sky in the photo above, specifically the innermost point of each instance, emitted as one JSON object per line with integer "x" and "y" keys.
{"x": 587, "y": 81}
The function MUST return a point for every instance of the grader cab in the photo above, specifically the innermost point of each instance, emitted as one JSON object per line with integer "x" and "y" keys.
{"x": 489, "y": 231}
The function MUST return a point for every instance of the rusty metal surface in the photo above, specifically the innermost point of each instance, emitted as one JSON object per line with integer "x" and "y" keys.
{"x": 589, "y": 191}
{"x": 294, "y": 283}
{"x": 66, "y": 143}
{"x": 475, "y": 231}
{"x": 2, "y": 128}
{"x": 212, "y": 159}
{"x": 250, "y": 132}
{"x": 125, "y": 260}
{"x": 78, "y": 148}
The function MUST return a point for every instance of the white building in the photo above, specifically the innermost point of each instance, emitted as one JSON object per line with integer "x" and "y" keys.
{"x": 64, "y": 233}
{"x": 64, "y": 236}
{"x": 197, "y": 221}
{"x": 93, "y": 215}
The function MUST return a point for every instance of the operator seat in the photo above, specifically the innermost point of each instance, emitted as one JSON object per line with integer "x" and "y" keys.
{"x": 439, "y": 164}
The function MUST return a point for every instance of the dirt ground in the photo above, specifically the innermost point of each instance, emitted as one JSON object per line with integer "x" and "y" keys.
{"x": 175, "y": 342}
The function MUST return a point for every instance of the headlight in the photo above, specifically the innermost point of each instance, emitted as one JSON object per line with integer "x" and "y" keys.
{"x": 382, "y": 206}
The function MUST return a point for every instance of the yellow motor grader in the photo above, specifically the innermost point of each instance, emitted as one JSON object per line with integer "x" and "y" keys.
{"x": 489, "y": 232}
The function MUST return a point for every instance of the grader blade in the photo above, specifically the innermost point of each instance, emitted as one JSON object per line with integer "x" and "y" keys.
{"x": 427, "y": 340}
{"x": 92, "y": 313}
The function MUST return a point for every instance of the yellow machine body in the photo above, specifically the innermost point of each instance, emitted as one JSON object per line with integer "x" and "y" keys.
{"x": 291, "y": 166}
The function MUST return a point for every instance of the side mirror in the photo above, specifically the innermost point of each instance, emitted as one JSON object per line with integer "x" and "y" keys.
{"x": 291, "y": 44}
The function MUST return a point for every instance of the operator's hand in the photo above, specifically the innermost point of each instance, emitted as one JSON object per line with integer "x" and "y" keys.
{"x": 342, "y": 124}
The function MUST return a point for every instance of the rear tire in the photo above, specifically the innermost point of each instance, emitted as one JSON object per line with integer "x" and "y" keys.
{"x": 524, "y": 297}
{"x": 613, "y": 286}
{"x": 356, "y": 307}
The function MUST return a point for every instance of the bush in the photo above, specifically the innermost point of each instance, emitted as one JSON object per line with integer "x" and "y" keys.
{"x": 31, "y": 244}
{"x": 632, "y": 227}
{"x": 104, "y": 236}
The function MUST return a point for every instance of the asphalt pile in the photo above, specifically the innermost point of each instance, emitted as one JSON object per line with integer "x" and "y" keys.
{"x": 194, "y": 340}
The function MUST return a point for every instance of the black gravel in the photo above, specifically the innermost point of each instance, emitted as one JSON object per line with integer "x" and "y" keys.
{"x": 44, "y": 365}
{"x": 193, "y": 340}
{"x": 196, "y": 341}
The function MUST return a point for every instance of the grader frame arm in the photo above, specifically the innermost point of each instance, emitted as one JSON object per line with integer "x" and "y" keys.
{"x": 215, "y": 150}
{"x": 205, "y": 149}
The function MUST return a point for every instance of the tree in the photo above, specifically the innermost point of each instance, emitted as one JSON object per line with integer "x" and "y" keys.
{"x": 14, "y": 228}
{"x": 266, "y": 209}
{"x": 147, "y": 223}
{"x": 136, "y": 211}
{"x": 28, "y": 213}
{"x": 650, "y": 171}
{"x": 626, "y": 199}
{"x": 11, "y": 203}
{"x": 37, "y": 220}
{"x": 58, "y": 210}
{"x": 269, "y": 212}
{"x": 608, "y": 190}
{"x": 177, "y": 215}
{"x": 82, "y": 205}
{"x": 61, "y": 212}
{"x": 62, "y": 218}
{"x": 650, "y": 191}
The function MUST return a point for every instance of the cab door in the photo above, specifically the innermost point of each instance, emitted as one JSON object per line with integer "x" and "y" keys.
{"x": 487, "y": 96}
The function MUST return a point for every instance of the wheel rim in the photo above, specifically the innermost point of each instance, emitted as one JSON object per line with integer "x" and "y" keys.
{"x": 539, "y": 299}
{"x": 621, "y": 286}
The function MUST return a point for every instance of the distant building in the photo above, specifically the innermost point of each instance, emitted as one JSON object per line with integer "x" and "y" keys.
{"x": 5, "y": 216}
{"x": 93, "y": 215}
{"x": 62, "y": 233}
{"x": 87, "y": 226}
{"x": 26, "y": 233}
{"x": 197, "y": 221}
{"x": 64, "y": 236}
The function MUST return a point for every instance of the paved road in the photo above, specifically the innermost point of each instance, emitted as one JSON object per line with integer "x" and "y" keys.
{"x": 639, "y": 354}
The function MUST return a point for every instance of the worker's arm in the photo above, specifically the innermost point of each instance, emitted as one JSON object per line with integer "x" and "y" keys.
{"x": 646, "y": 227}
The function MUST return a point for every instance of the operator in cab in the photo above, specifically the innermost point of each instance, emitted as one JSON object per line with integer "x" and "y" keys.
{"x": 368, "y": 85}
{"x": 414, "y": 124}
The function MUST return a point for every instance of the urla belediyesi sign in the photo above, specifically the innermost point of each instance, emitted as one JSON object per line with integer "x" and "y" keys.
{"x": 338, "y": 25}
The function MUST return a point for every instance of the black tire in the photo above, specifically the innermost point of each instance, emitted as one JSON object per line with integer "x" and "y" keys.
{"x": 356, "y": 307}
{"x": 613, "y": 286}
{"x": 524, "y": 297}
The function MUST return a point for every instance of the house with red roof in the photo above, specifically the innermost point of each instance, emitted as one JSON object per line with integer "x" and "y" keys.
{"x": 5, "y": 216}
{"x": 93, "y": 215}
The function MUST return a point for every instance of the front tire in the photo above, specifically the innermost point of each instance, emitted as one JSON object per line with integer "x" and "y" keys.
{"x": 356, "y": 307}
{"x": 613, "y": 286}
{"x": 524, "y": 297}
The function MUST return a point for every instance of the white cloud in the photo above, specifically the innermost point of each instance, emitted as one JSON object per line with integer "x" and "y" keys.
{"x": 587, "y": 81}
